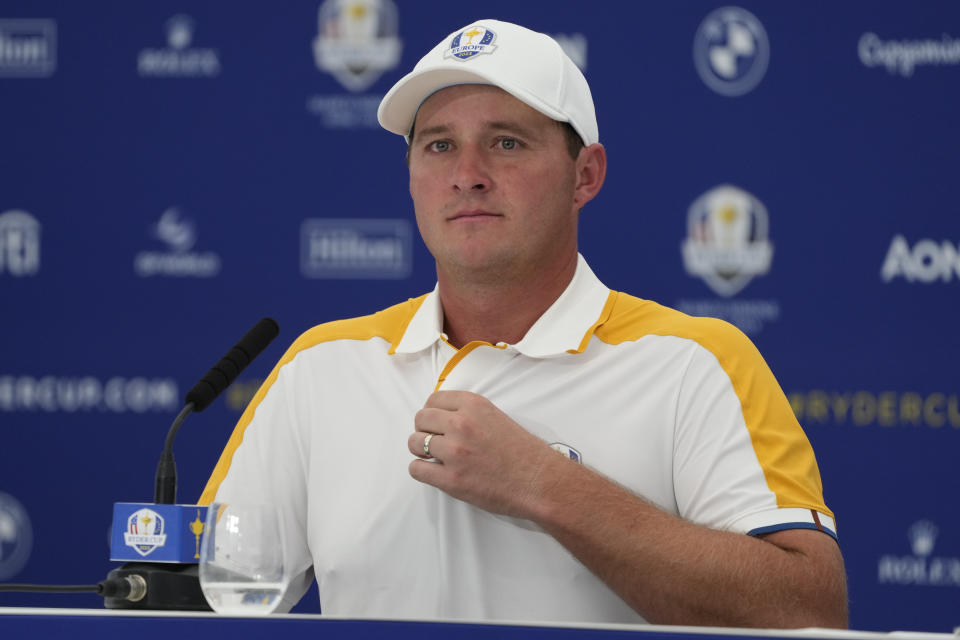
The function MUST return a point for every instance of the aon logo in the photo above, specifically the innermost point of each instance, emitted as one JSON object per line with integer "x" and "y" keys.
{"x": 926, "y": 261}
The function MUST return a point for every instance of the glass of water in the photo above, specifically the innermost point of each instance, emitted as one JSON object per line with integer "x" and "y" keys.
{"x": 241, "y": 559}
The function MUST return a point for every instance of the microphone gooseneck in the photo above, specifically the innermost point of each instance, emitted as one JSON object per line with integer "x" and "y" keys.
{"x": 165, "y": 486}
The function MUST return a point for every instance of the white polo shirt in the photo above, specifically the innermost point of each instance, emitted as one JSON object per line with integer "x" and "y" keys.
{"x": 681, "y": 410}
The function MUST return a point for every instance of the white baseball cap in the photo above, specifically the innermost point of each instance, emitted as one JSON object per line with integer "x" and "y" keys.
{"x": 528, "y": 65}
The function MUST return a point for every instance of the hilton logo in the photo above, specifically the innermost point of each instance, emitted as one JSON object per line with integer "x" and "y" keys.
{"x": 28, "y": 48}
{"x": 351, "y": 248}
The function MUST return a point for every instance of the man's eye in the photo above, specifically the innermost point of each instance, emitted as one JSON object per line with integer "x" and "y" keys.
{"x": 440, "y": 145}
{"x": 508, "y": 144}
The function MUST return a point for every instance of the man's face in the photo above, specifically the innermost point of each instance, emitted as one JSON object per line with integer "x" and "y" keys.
{"x": 492, "y": 185}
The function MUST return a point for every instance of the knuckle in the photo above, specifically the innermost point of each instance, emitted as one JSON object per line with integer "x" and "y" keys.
{"x": 419, "y": 417}
{"x": 459, "y": 451}
{"x": 458, "y": 422}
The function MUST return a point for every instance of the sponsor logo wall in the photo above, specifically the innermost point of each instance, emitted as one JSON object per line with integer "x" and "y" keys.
{"x": 782, "y": 168}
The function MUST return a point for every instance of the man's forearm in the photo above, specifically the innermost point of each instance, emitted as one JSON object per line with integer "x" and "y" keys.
{"x": 675, "y": 572}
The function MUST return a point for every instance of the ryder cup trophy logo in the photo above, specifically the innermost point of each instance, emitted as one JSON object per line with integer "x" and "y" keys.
{"x": 357, "y": 41}
{"x": 726, "y": 242}
{"x": 145, "y": 531}
{"x": 470, "y": 42}
{"x": 731, "y": 51}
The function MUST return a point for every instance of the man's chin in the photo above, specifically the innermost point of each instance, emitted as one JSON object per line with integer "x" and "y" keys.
{"x": 488, "y": 267}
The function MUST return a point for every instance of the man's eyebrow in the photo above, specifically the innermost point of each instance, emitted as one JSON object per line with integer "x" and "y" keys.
{"x": 497, "y": 125}
{"x": 511, "y": 127}
{"x": 431, "y": 131}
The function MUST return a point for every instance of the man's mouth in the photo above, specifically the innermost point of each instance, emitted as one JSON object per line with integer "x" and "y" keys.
{"x": 473, "y": 214}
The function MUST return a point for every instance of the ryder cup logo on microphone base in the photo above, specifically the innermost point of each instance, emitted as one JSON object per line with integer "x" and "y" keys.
{"x": 145, "y": 531}
{"x": 157, "y": 532}
{"x": 471, "y": 42}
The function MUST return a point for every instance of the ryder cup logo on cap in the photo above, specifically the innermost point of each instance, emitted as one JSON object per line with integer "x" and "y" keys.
{"x": 530, "y": 66}
{"x": 731, "y": 51}
{"x": 470, "y": 42}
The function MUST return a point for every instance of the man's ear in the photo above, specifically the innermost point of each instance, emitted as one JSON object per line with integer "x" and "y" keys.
{"x": 591, "y": 172}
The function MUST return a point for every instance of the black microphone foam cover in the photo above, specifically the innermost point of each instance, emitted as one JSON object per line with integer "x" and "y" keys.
{"x": 225, "y": 372}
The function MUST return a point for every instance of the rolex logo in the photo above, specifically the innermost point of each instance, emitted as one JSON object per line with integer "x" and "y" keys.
{"x": 923, "y": 535}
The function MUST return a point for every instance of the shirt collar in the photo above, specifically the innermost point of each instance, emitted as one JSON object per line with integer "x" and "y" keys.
{"x": 564, "y": 327}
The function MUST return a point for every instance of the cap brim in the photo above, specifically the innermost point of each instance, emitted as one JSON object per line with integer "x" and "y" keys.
{"x": 399, "y": 107}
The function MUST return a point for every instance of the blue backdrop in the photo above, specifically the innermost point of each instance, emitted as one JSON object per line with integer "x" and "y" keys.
{"x": 170, "y": 172}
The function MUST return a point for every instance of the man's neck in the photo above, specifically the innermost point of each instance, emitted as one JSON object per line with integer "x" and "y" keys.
{"x": 500, "y": 311}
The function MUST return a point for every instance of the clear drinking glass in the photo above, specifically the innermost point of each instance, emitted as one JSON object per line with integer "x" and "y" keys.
{"x": 241, "y": 559}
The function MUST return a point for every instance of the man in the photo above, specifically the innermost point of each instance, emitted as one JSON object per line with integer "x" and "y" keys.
{"x": 577, "y": 454}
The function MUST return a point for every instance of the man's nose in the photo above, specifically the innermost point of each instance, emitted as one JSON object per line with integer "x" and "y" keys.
{"x": 471, "y": 172}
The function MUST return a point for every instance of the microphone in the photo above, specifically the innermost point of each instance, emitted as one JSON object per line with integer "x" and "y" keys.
{"x": 226, "y": 371}
{"x": 145, "y": 535}
{"x": 204, "y": 392}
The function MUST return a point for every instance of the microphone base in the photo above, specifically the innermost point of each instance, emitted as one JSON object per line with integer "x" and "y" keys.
{"x": 170, "y": 587}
